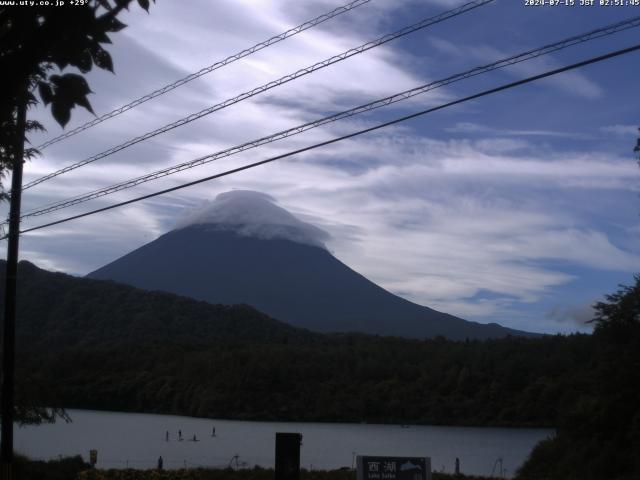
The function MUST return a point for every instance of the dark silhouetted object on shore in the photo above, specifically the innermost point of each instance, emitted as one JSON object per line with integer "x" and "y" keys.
{"x": 288, "y": 456}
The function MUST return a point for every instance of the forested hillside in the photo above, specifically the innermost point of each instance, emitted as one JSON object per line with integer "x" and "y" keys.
{"x": 96, "y": 344}
{"x": 58, "y": 312}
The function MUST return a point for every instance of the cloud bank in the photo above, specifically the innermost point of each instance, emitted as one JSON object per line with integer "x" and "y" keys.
{"x": 254, "y": 214}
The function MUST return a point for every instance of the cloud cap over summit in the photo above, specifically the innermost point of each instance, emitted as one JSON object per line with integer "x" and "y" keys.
{"x": 254, "y": 214}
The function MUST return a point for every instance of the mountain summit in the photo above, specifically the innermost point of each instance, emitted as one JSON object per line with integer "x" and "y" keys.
{"x": 254, "y": 214}
{"x": 243, "y": 248}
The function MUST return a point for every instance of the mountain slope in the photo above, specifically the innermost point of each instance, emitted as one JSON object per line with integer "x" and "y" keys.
{"x": 301, "y": 284}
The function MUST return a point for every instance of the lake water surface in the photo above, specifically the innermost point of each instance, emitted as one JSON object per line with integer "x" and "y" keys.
{"x": 137, "y": 440}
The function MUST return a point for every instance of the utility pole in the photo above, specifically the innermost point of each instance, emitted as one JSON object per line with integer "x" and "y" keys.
{"x": 9, "y": 325}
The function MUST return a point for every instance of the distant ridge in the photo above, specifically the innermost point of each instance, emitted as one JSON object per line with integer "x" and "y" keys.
{"x": 243, "y": 248}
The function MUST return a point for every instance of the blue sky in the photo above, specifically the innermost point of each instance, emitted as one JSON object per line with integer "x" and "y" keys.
{"x": 520, "y": 208}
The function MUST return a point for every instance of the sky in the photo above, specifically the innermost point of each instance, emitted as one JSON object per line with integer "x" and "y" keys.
{"x": 520, "y": 208}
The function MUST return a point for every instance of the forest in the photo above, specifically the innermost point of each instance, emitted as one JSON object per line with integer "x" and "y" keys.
{"x": 99, "y": 345}
{"x": 343, "y": 378}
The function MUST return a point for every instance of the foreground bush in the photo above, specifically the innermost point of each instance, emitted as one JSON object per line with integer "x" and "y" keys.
{"x": 64, "y": 469}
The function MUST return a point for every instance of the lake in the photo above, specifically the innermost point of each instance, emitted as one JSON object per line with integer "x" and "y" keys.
{"x": 137, "y": 440}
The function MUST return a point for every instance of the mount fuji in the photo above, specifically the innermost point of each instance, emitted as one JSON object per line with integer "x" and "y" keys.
{"x": 242, "y": 248}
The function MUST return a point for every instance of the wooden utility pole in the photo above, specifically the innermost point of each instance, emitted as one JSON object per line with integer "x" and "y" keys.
{"x": 9, "y": 324}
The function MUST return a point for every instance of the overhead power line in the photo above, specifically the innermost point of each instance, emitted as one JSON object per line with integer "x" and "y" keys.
{"x": 268, "y": 86}
{"x": 230, "y": 59}
{"x": 345, "y": 137}
{"x": 521, "y": 57}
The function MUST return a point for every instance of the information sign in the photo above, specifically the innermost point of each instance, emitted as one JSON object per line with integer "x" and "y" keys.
{"x": 393, "y": 468}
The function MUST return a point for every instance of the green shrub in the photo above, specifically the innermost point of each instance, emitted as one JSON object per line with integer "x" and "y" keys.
{"x": 63, "y": 469}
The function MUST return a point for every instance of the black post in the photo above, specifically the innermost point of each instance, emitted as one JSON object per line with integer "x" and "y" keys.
{"x": 9, "y": 326}
{"x": 288, "y": 456}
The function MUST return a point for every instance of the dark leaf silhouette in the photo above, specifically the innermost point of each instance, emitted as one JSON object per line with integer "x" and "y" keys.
{"x": 76, "y": 83}
{"x": 83, "y": 62}
{"x": 100, "y": 36}
{"x": 46, "y": 94}
{"x": 61, "y": 112}
{"x": 69, "y": 90}
{"x": 101, "y": 57}
{"x": 115, "y": 25}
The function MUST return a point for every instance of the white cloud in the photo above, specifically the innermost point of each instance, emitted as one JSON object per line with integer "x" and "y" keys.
{"x": 621, "y": 130}
{"x": 469, "y": 127}
{"x": 572, "y": 82}
{"x": 253, "y": 214}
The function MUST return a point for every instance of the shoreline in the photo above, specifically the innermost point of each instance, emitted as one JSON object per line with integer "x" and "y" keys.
{"x": 505, "y": 425}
